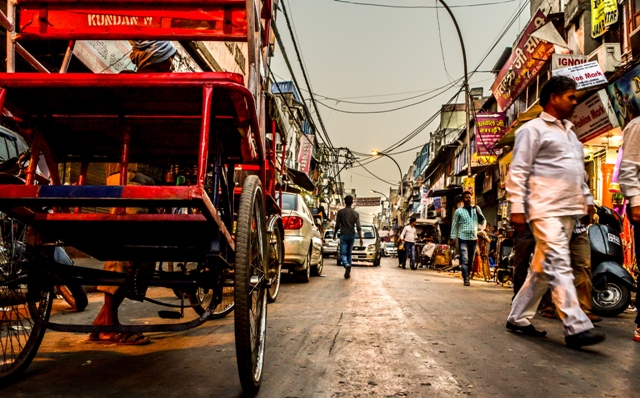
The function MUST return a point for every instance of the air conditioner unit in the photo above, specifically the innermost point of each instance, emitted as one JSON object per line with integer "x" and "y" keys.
{"x": 608, "y": 56}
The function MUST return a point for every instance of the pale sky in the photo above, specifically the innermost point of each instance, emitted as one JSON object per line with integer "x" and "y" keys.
{"x": 357, "y": 51}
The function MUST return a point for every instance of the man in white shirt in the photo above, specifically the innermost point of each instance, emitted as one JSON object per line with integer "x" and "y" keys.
{"x": 409, "y": 237}
{"x": 547, "y": 187}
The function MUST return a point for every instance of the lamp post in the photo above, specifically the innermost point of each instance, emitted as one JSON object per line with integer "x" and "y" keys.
{"x": 386, "y": 197}
{"x": 467, "y": 97}
{"x": 376, "y": 153}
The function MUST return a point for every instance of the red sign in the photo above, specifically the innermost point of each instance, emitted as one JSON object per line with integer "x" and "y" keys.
{"x": 135, "y": 21}
{"x": 526, "y": 60}
{"x": 489, "y": 129}
{"x": 306, "y": 151}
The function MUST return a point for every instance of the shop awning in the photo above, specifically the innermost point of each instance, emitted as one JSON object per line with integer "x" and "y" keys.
{"x": 301, "y": 179}
{"x": 530, "y": 114}
{"x": 445, "y": 192}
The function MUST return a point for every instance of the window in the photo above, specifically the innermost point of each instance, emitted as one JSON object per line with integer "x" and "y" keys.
{"x": 289, "y": 202}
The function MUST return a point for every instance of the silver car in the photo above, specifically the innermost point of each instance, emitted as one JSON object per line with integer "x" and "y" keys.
{"x": 329, "y": 245}
{"x": 370, "y": 251}
{"x": 302, "y": 239}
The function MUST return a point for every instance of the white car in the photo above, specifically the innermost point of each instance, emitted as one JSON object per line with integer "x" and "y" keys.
{"x": 370, "y": 252}
{"x": 330, "y": 246}
{"x": 390, "y": 249}
{"x": 302, "y": 239}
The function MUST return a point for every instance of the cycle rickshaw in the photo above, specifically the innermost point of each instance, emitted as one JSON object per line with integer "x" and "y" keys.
{"x": 213, "y": 120}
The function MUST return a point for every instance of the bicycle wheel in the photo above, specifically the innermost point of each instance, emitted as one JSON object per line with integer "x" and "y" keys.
{"x": 250, "y": 286}
{"x": 203, "y": 297}
{"x": 276, "y": 250}
{"x": 23, "y": 297}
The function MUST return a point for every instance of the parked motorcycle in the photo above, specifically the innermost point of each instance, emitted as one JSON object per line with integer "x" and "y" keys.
{"x": 612, "y": 283}
{"x": 504, "y": 271}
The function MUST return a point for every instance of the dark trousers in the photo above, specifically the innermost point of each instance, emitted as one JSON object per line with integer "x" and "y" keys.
{"x": 467, "y": 254}
{"x": 410, "y": 252}
{"x": 402, "y": 257}
{"x": 523, "y": 248}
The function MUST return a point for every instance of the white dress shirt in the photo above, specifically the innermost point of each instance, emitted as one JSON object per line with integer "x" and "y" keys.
{"x": 409, "y": 234}
{"x": 547, "y": 177}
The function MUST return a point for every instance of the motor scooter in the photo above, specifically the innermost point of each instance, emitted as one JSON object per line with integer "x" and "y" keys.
{"x": 612, "y": 283}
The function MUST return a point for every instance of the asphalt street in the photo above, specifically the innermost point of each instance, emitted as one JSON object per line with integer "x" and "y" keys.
{"x": 386, "y": 332}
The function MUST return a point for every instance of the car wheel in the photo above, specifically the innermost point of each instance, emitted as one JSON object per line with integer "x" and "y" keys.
{"x": 304, "y": 275}
{"x": 376, "y": 261}
{"x": 317, "y": 269}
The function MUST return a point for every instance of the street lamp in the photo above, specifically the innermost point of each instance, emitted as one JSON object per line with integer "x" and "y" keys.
{"x": 376, "y": 153}
{"x": 374, "y": 191}
{"x": 467, "y": 98}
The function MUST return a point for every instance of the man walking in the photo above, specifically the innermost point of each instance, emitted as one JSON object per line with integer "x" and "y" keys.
{"x": 408, "y": 237}
{"x": 547, "y": 187}
{"x": 465, "y": 229}
{"x": 347, "y": 220}
{"x": 629, "y": 180}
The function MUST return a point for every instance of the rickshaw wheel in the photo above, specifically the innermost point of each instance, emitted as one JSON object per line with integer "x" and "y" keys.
{"x": 23, "y": 297}
{"x": 276, "y": 250}
{"x": 250, "y": 285}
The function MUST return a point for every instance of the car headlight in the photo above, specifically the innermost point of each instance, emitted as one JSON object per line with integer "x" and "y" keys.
{"x": 371, "y": 248}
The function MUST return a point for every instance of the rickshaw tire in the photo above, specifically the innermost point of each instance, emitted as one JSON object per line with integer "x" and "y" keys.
{"x": 272, "y": 293}
{"x": 250, "y": 346}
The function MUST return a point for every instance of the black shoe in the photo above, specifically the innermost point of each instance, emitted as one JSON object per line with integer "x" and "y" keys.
{"x": 347, "y": 273}
{"x": 588, "y": 337}
{"x": 466, "y": 282}
{"x": 529, "y": 330}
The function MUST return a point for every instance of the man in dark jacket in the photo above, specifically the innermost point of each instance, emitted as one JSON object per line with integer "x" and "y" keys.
{"x": 347, "y": 221}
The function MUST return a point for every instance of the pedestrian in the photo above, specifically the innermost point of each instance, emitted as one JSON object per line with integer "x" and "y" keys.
{"x": 523, "y": 247}
{"x": 483, "y": 251}
{"x": 629, "y": 180}
{"x": 149, "y": 56}
{"x": 547, "y": 187}
{"x": 580, "y": 249}
{"x": 402, "y": 254}
{"x": 347, "y": 221}
{"x": 408, "y": 238}
{"x": 465, "y": 228}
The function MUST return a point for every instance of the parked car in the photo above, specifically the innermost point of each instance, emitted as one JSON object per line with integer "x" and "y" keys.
{"x": 330, "y": 246}
{"x": 370, "y": 252}
{"x": 302, "y": 239}
{"x": 390, "y": 249}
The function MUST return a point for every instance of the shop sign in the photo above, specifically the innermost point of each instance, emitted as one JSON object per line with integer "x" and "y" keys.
{"x": 561, "y": 61}
{"x": 585, "y": 75}
{"x": 437, "y": 204}
{"x": 306, "y": 151}
{"x": 526, "y": 61}
{"x": 603, "y": 14}
{"x": 593, "y": 117}
{"x": 489, "y": 129}
{"x": 505, "y": 164}
{"x": 367, "y": 202}
{"x": 624, "y": 96}
{"x": 469, "y": 184}
{"x": 425, "y": 200}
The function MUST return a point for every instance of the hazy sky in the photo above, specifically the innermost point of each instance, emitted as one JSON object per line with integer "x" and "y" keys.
{"x": 372, "y": 52}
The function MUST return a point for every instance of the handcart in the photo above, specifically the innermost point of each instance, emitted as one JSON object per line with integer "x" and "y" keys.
{"x": 216, "y": 121}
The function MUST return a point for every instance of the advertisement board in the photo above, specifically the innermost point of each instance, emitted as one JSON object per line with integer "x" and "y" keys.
{"x": 367, "y": 202}
{"x": 603, "y": 14}
{"x": 524, "y": 64}
{"x": 593, "y": 117}
{"x": 585, "y": 75}
{"x": 306, "y": 151}
{"x": 561, "y": 61}
{"x": 489, "y": 129}
{"x": 624, "y": 96}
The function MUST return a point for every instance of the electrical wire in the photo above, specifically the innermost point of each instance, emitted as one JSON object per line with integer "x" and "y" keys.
{"x": 414, "y": 7}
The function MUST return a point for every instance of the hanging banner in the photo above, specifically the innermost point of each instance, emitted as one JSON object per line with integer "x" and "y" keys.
{"x": 306, "y": 151}
{"x": 368, "y": 202}
{"x": 624, "y": 96}
{"x": 489, "y": 129}
{"x": 469, "y": 185}
{"x": 526, "y": 61}
{"x": 593, "y": 117}
{"x": 603, "y": 14}
{"x": 585, "y": 75}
